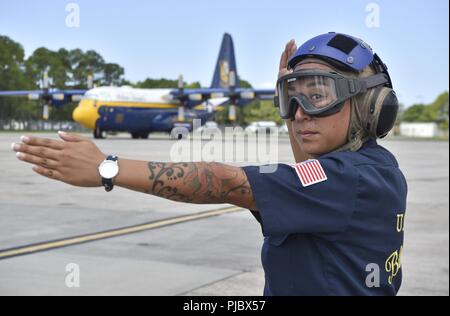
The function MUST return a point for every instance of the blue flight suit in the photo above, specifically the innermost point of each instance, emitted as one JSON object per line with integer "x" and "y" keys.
{"x": 341, "y": 236}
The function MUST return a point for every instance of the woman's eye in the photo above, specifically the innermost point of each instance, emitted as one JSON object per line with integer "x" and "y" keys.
{"x": 316, "y": 97}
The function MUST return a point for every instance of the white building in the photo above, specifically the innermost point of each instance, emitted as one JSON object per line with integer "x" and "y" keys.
{"x": 423, "y": 130}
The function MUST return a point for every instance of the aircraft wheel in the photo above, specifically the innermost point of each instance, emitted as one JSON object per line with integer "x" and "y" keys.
{"x": 98, "y": 133}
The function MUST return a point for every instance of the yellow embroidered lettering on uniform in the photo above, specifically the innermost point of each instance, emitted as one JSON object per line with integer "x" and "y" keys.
{"x": 394, "y": 264}
{"x": 400, "y": 222}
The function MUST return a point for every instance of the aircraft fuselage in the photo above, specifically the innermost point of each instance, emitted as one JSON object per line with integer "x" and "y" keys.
{"x": 138, "y": 111}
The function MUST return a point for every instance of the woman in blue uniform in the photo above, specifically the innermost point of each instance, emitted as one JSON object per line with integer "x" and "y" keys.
{"x": 333, "y": 220}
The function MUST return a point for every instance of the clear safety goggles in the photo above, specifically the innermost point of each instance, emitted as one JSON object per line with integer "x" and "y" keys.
{"x": 319, "y": 93}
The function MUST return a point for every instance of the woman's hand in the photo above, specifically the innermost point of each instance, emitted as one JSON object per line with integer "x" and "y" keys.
{"x": 289, "y": 50}
{"x": 283, "y": 70}
{"x": 74, "y": 160}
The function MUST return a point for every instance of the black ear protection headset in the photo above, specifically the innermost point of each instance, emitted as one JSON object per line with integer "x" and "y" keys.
{"x": 386, "y": 98}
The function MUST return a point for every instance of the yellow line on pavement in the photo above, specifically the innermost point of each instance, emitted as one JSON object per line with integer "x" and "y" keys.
{"x": 71, "y": 241}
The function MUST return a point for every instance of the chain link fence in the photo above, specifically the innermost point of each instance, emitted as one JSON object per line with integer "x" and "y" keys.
{"x": 41, "y": 126}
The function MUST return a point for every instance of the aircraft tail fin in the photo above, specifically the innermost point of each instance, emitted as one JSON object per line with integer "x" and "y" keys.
{"x": 226, "y": 64}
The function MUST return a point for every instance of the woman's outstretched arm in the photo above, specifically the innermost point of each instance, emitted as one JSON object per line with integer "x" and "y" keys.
{"x": 75, "y": 160}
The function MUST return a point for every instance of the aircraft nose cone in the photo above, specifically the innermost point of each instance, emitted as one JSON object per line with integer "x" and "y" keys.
{"x": 86, "y": 114}
{"x": 77, "y": 115}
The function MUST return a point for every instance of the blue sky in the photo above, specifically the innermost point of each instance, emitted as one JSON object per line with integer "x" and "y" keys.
{"x": 165, "y": 38}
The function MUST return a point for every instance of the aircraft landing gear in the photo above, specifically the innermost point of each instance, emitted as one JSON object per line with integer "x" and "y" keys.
{"x": 138, "y": 135}
{"x": 99, "y": 133}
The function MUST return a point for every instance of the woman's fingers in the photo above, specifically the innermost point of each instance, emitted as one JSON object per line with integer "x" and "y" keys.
{"x": 283, "y": 61}
{"x": 43, "y": 142}
{"x": 285, "y": 54}
{"x": 293, "y": 50}
{"x": 39, "y": 161}
{"x": 71, "y": 137}
{"x": 44, "y": 152}
{"x": 289, "y": 50}
{"x": 73, "y": 160}
{"x": 48, "y": 173}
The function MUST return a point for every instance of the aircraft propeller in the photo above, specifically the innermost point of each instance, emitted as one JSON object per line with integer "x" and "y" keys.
{"x": 47, "y": 96}
{"x": 236, "y": 97}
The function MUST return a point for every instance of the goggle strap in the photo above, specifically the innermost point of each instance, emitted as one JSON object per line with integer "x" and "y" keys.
{"x": 373, "y": 81}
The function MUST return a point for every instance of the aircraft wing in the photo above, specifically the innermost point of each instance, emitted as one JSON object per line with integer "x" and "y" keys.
{"x": 262, "y": 94}
{"x": 58, "y": 97}
{"x": 19, "y": 93}
{"x": 213, "y": 93}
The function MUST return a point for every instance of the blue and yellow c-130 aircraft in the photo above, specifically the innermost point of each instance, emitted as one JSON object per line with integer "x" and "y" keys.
{"x": 142, "y": 111}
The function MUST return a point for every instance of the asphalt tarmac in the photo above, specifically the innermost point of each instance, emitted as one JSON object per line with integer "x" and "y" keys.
{"x": 122, "y": 243}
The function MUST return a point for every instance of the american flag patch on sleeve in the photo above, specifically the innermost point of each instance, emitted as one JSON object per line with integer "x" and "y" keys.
{"x": 310, "y": 172}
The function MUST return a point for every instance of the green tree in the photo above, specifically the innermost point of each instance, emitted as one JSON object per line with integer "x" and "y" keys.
{"x": 88, "y": 64}
{"x": 157, "y": 83}
{"x": 439, "y": 110}
{"x": 12, "y": 78}
{"x": 74, "y": 57}
{"x": 44, "y": 59}
{"x": 164, "y": 83}
{"x": 245, "y": 84}
{"x": 262, "y": 110}
{"x": 112, "y": 74}
{"x": 66, "y": 69}
{"x": 414, "y": 113}
{"x": 193, "y": 85}
{"x": 434, "y": 112}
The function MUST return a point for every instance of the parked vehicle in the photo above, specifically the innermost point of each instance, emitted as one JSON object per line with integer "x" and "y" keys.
{"x": 283, "y": 130}
{"x": 261, "y": 127}
{"x": 208, "y": 126}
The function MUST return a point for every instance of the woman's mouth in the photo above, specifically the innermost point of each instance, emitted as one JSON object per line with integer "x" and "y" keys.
{"x": 307, "y": 134}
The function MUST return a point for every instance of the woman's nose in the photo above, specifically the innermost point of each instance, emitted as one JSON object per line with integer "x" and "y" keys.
{"x": 300, "y": 115}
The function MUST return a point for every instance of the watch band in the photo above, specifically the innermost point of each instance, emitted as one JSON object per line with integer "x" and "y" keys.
{"x": 108, "y": 183}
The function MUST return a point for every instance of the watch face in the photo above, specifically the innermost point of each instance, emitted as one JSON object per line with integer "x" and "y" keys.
{"x": 109, "y": 169}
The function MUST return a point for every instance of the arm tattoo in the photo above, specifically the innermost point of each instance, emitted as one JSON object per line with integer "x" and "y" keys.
{"x": 200, "y": 183}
